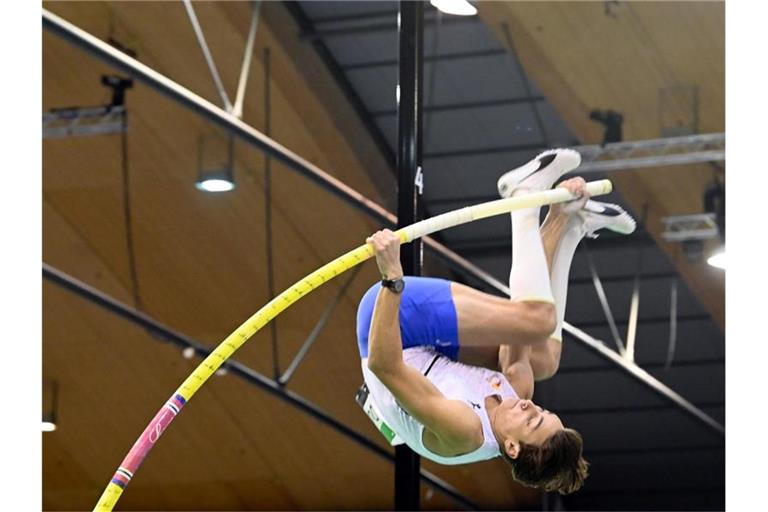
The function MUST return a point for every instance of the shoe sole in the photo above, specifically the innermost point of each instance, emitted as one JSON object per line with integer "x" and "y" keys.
{"x": 544, "y": 160}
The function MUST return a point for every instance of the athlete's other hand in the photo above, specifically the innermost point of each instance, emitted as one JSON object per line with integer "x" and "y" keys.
{"x": 578, "y": 187}
{"x": 386, "y": 246}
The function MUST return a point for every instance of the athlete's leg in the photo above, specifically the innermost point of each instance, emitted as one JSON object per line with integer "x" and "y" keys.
{"x": 562, "y": 231}
{"x": 560, "y": 235}
{"x": 530, "y": 317}
{"x": 535, "y": 361}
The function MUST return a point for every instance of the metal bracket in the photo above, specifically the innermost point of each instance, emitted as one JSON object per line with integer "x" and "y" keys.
{"x": 77, "y": 122}
{"x": 683, "y": 228}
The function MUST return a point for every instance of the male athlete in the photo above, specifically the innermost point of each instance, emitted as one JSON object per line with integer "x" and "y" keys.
{"x": 451, "y": 370}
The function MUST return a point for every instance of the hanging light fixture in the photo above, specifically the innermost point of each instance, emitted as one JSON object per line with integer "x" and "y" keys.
{"x": 714, "y": 203}
{"x": 717, "y": 259}
{"x": 456, "y": 7}
{"x": 49, "y": 415}
{"x": 215, "y": 176}
{"x": 215, "y": 181}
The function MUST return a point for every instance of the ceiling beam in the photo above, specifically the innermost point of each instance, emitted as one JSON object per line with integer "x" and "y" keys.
{"x": 647, "y": 320}
{"x": 495, "y": 247}
{"x": 539, "y": 146}
{"x": 659, "y": 365}
{"x": 646, "y": 491}
{"x": 466, "y": 105}
{"x": 357, "y": 17}
{"x": 630, "y": 408}
{"x": 610, "y": 452}
{"x": 444, "y": 57}
{"x": 651, "y": 276}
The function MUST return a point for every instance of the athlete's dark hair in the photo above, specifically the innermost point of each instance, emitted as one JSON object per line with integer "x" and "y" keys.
{"x": 556, "y": 465}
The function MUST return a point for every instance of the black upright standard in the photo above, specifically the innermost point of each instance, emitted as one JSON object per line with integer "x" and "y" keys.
{"x": 409, "y": 189}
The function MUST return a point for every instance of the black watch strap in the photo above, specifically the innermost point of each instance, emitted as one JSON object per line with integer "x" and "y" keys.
{"x": 396, "y": 285}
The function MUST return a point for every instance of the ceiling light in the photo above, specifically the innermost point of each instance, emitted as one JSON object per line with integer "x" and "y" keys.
{"x": 215, "y": 181}
{"x": 717, "y": 259}
{"x": 215, "y": 163}
{"x": 188, "y": 352}
{"x": 457, "y": 7}
{"x": 51, "y": 405}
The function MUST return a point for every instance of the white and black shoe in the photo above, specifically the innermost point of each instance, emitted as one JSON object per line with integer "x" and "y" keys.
{"x": 599, "y": 215}
{"x": 540, "y": 173}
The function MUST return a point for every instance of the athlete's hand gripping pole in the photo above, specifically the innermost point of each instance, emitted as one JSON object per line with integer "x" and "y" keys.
{"x": 234, "y": 341}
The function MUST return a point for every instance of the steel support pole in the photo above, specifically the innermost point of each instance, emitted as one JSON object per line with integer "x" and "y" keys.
{"x": 672, "y": 324}
{"x": 603, "y": 300}
{"x": 207, "y": 54}
{"x": 410, "y": 32}
{"x": 237, "y": 108}
{"x": 317, "y": 329}
{"x": 218, "y": 116}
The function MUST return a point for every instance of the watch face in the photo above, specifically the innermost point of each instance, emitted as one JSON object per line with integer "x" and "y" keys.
{"x": 396, "y": 285}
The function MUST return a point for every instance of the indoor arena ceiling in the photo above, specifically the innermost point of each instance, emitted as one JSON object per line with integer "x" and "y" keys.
{"x": 498, "y": 88}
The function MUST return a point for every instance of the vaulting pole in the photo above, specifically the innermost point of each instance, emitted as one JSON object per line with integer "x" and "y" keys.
{"x": 232, "y": 343}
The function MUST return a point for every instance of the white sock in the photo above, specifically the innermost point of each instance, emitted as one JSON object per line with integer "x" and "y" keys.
{"x": 561, "y": 267}
{"x": 529, "y": 277}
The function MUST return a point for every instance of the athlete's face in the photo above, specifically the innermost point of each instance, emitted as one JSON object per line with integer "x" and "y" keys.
{"x": 522, "y": 421}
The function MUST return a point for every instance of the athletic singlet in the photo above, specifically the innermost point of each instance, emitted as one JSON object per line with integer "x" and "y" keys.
{"x": 455, "y": 380}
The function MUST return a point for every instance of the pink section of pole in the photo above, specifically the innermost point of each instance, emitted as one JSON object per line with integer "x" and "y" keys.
{"x": 149, "y": 437}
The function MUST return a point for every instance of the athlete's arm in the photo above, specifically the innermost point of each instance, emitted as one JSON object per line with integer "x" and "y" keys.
{"x": 451, "y": 421}
{"x": 515, "y": 364}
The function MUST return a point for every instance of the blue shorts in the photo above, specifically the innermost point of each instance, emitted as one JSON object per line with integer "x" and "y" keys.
{"x": 427, "y": 316}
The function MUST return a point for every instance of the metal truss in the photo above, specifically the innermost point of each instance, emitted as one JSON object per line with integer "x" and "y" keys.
{"x": 619, "y": 156}
{"x": 441, "y": 57}
{"x": 77, "y": 122}
{"x": 684, "y": 228}
{"x": 689, "y": 149}
{"x": 235, "y": 108}
{"x": 247, "y": 133}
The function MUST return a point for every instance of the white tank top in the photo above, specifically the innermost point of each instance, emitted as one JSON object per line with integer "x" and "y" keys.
{"x": 456, "y": 381}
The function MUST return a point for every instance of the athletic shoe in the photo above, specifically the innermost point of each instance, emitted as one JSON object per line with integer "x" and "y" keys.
{"x": 599, "y": 215}
{"x": 540, "y": 173}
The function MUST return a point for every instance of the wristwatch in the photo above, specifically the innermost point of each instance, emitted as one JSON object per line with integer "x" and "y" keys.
{"x": 396, "y": 285}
